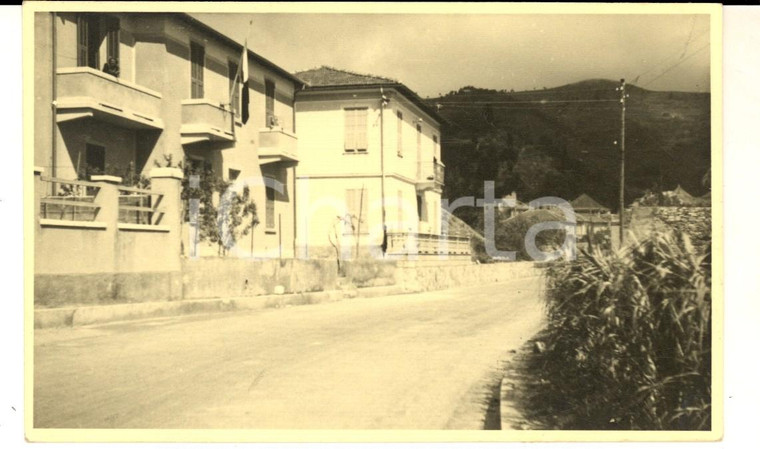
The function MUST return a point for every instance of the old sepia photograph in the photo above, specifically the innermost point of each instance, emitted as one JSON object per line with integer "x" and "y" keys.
{"x": 465, "y": 222}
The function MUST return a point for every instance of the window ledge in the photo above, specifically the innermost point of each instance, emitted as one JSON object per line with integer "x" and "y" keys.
{"x": 351, "y": 153}
{"x": 142, "y": 227}
{"x": 53, "y": 223}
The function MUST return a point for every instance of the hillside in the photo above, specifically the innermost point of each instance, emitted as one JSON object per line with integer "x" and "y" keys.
{"x": 555, "y": 142}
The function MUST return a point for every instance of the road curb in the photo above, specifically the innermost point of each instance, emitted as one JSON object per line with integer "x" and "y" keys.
{"x": 510, "y": 418}
{"x": 86, "y": 315}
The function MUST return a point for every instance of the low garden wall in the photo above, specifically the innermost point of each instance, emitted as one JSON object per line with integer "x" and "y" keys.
{"x": 94, "y": 245}
{"x": 696, "y": 222}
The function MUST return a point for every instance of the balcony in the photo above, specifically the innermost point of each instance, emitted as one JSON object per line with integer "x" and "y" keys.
{"x": 404, "y": 244}
{"x": 277, "y": 145}
{"x": 84, "y": 92}
{"x": 430, "y": 176}
{"x": 204, "y": 121}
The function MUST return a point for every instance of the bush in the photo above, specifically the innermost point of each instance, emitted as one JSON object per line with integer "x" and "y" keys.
{"x": 629, "y": 336}
{"x": 510, "y": 234}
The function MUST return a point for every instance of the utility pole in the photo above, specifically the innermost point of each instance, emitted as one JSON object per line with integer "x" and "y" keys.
{"x": 621, "y": 212}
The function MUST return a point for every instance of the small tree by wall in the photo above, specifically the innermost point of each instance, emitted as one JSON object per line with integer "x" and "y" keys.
{"x": 224, "y": 215}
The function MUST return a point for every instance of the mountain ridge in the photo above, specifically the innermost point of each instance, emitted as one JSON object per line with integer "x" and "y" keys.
{"x": 563, "y": 141}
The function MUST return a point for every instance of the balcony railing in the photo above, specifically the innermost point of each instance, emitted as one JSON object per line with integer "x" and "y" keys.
{"x": 140, "y": 206}
{"x": 72, "y": 201}
{"x": 204, "y": 121}
{"x": 430, "y": 175}
{"x": 84, "y": 92}
{"x": 408, "y": 243}
{"x": 277, "y": 145}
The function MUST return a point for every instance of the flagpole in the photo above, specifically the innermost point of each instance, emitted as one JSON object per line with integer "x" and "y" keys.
{"x": 232, "y": 109}
{"x": 241, "y": 69}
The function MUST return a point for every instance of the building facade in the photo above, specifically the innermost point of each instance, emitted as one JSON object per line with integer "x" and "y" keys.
{"x": 120, "y": 94}
{"x": 370, "y": 174}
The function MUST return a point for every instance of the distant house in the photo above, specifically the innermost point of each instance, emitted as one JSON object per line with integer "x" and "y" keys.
{"x": 584, "y": 204}
{"x": 511, "y": 211}
{"x": 676, "y": 197}
{"x": 370, "y": 172}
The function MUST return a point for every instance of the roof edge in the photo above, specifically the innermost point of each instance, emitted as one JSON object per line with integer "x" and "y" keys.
{"x": 409, "y": 93}
{"x": 228, "y": 40}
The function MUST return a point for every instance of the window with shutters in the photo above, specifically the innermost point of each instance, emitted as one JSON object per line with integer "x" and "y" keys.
{"x": 271, "y": 119}
{"x": 88, "y": 40}
{"x": 112, "y": 39}
{"x": 355, "y": 140}
{"x": 197, "y": 63}
{"x": 436, "y": 148}
{"x": 234, "y": 85}
{"x": 270, "y": 220}
{"x": 356, "y": 210}
{"x": 400, "y": 134}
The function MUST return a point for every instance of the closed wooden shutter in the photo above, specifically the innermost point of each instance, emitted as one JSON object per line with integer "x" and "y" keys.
{"x": 197, "y": 56}
{"x": 361, "y": 129}
{"x": 112, "y": 39}
{"x": 356, "y": 205}
{"x": 82, "y": 34}
{"x": 349, "y": 142}
{"x": 234, "y": 86}
{"x": 270, "y": 208}
{"x": 270, "y": 92}
{"x": 355, "y": 130}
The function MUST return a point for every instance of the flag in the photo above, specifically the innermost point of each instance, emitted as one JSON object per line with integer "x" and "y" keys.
{"x": 244, "y": 68}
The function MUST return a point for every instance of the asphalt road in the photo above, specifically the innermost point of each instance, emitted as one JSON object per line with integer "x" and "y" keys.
{"x": 421, "y": 361}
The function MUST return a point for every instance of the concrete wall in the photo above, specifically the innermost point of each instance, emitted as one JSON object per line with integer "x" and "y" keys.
{"x": 435, "y": 276}
{"x": 43, "y": 90}
{"x": 103, "y": 261}
{"x": 230, "y": 277}
{"x": 227, "y": 278}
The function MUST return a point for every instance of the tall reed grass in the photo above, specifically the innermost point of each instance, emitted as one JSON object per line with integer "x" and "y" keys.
{"x": 629, "y": 336}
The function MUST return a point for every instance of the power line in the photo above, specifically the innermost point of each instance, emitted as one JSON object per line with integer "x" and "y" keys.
{"x": 444, "y": 103}
{"x": 553, "y": 91}
{"x": 677, "y": 64}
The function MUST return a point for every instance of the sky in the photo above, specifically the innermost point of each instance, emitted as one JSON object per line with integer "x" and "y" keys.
{"x": 436, "y": 53}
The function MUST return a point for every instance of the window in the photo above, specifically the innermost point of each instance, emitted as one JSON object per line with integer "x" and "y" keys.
{"x": 112, "y": 39}
{"x": 233, "y": 174}
{"x": 197, "y": 56}
{"x": 234, "y": 85}
{"x": 401, "y": 226}
{"x": 270, "y": 208}
{"x": 355, "y": 129}
{"x": 88, "y": 40}
{"x": 422, "y": 213}
{"x": 399, "y": 134}
{"x": 95, "y": 160}
{"x": 92, "y": 30}
{"x": 271, "y": 119}
{"x": 356, "y": 208}
{"x": 436, "y": 149}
